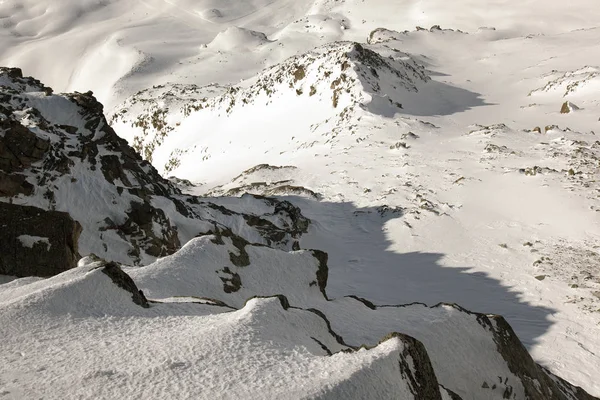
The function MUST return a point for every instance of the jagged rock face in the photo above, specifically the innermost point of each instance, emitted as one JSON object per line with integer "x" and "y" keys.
{"x": 537, "y": 383}
{"x": 423, "y": 383}
{"x": 19, "y": 148}
{"x": 58, "y": 152}
{"x": 36, "y": 242}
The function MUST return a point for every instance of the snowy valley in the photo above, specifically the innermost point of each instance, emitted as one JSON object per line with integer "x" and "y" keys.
{"x": 306, "y": 199}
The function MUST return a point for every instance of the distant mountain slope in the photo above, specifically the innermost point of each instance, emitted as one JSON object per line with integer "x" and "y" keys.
{"x": 325, "y": 86}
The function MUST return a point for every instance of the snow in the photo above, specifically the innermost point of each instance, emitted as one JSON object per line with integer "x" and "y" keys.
{"x": 170, "y": 345}
{"x": 456, "y": 212}
{"x": 30, "y": 241}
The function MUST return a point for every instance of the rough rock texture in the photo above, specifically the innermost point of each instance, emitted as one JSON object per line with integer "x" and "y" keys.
{"x": 52, "y": 250}
{"x": 424, "y": 384}
{"x": 536, "y": 381}
{"x": 568, "y": 107}
{"x": 139, "y": 226}
{"x": 19, "y": 148}
{"x": 124, "y": 281}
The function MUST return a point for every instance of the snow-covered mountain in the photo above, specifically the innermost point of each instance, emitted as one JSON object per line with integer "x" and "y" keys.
{"x": 304, "y": 178}
{"x": 60, "y": 155}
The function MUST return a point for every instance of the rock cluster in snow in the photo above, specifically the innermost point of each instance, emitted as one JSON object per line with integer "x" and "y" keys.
{"x": 341, "y": 75}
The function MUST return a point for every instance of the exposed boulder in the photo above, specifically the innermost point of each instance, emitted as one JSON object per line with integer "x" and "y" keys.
{"x": 36, "y": 242}
{"x": 568, "y": 107}
{"x": 19, "y": 149}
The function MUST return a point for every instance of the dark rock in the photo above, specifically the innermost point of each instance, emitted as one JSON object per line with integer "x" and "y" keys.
{"x": 241, "y": 259}
{"x": 19, "y": 147}
{"x": 14, "y": 184}
{"x": 56, "y": 253}
{"x": 139, "y": 228}
{"x": 112, "y": 168}
{"x": 232, "y": 283}
{"x": 14, "y": 72}
{"x": 267, "y": 229}
{"x": 124, "y": 281}
{"x": 537, "y": 383}
{"x": 323, "y": 270}
{"x": 423, "y": 382}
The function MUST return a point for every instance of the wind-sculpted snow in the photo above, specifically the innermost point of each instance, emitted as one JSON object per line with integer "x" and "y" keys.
{"x": 273, "y": 331}
{"x": 112, "y": 347}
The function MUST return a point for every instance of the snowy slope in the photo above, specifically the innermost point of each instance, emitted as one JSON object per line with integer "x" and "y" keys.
{"x": 263, "y": 348}
{"x": 72, "y": 161}
{"x": 479, "y": 171}
{"x": 449, "y": 174}
{"x": 165, "y": 350}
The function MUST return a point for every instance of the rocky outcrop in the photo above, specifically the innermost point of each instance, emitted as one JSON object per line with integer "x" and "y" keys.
{"x": 568, "y": 107}
{"x": 537, "y": 383}
{"x": 59, "y": 153}
{"x": 19, "y": 149}
{"x": 344, "y": 75}
{"x": 36, "y": 242}
{"x": 124, "y": 281}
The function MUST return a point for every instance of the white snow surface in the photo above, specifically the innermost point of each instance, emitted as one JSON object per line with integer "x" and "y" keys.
{"x": 30, "y": 241}
{"x": 176, "y": 350}
{"x": 454, "y": 197}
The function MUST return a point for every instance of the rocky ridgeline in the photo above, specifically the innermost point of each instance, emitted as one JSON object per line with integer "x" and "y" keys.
{"x": 58, "y": 153}
{"x": 265, "y": 180}
{"x": 569, "y": 83}
{"x": 343, "y": 75}
{"x": 157, "y": 111}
